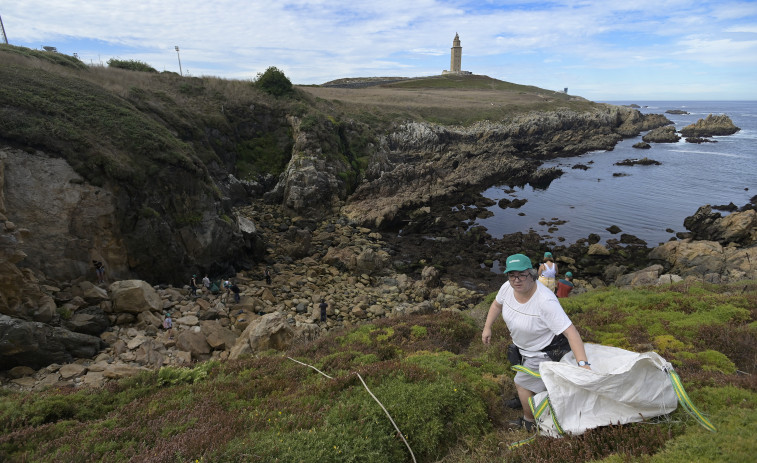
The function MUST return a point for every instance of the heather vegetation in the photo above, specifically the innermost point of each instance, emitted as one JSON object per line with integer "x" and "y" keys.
{"x": 439, "y": 384}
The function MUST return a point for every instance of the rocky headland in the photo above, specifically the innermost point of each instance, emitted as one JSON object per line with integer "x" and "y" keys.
{"x": 376, "y": 217}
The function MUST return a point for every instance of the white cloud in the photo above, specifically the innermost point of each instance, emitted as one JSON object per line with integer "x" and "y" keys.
{"x": 318, "y": 40}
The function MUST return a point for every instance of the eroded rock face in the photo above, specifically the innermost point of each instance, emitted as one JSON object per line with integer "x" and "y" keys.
{"x": 71, "y": 222}
{"x": 67, "y": 223}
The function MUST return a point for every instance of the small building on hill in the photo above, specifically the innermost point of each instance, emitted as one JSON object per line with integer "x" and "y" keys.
{"x": 456, "y": 58}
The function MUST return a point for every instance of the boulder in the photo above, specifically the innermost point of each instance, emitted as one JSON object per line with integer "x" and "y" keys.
{"x": 134, "y": 296}
{"x": 194, "y": 343}
{"x": 217, "y": 336}
{"x": 597, "y": 249}
{"x": 72, "y": 370}
{"x": 89, "y": 320}
{"x": 430, "y": 277}
{"x": 36, "y": 344}
{"x": 644, "y": 277}
{"x": 271, "y": 331}
{"x": 90, "y": 293}
{"x": 150, "y": 353}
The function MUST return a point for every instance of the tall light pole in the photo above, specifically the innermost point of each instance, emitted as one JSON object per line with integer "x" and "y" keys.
{"x": 178, "y": 56}
{"x": 5, "y": 37}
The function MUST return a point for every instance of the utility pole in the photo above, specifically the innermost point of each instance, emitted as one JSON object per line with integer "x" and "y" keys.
{"x": 179, "y": 57}
{"x": 5, "y": 37}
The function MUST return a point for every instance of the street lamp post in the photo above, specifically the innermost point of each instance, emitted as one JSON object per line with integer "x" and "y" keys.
{"x": 179, "y": 57}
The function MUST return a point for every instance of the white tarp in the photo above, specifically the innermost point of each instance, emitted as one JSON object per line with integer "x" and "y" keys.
{"x": 621, "y": 387}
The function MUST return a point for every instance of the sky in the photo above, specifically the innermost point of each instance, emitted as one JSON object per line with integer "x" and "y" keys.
{"x": 603, "y": 50}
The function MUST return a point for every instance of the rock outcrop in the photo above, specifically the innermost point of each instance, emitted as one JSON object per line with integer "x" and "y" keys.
{"x": 665, "y": 134}
{"x": 419, "y": 162}
{"x": 738, "y": 227}
{"x": 710, "y": 126}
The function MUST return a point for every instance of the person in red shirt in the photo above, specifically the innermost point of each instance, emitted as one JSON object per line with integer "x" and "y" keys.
{"x": 565, "y": 285}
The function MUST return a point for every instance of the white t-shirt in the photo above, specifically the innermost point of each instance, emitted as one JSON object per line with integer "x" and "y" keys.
{"x": 550, "y": 270}
{"x": 532, "y": 325}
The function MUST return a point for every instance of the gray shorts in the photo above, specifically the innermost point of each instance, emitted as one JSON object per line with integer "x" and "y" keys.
{"x": 528, "y": 382}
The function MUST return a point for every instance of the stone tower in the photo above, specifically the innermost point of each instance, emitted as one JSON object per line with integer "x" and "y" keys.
{"x": 456, "y": 55}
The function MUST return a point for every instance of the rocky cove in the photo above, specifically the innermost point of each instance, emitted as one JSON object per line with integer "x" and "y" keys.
{"x": 375, "y": 219}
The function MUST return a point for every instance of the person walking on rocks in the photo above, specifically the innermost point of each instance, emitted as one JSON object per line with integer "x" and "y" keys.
{"x": 548, "y": 272}
{"x": 267, "y": 275}
{"x": 565, "y": 285}
{"x": 99, "y": 270}
{"x": 539, "y": 327}
{"x": 193, "y": 285}
{"x": 206, "y": 283}
{"x": 235, "y": 290}
{"x": 168, "y": 325}
{"x": 323, "y": 306}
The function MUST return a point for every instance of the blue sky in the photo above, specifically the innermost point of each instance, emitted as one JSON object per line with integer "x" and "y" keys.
{"x": 603, "y": 50}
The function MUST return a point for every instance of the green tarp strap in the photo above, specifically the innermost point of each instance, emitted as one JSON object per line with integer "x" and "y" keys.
{"x": 686, "y": 403}
{"x": 525, "y": 370}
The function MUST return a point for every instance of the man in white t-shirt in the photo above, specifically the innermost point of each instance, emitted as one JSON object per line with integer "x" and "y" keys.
{"x": 534, "y": 318}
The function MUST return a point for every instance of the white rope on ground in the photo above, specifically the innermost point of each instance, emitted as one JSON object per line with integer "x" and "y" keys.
{"x": 374, "y": 398}
{"x": 311, "y": 366}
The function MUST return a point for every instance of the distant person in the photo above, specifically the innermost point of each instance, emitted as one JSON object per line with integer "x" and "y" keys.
{"x": 168, "y": 325}
{"x": 267, "y": 275}
{"x": 323, "y": 306}
{"x": 548, "y": 272}
{"x": 99, "y": 270}
{"x": 235, "y": 289}
{"x": 193, "y": 285}
{"x": 206, "y": 283}
{"x": 565, "y": 285}
{"x": 227, "y": 290}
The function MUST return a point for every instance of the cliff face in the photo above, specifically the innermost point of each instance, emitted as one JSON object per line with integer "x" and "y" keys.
{"x": 128, "y": 176}
{"x": 419, "y": 162}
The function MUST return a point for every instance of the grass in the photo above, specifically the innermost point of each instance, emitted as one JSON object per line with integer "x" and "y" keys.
{"x": 442, "y": 387}
{"x": 458, "y": 100}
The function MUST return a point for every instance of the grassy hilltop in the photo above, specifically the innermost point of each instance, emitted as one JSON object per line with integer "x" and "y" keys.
{"x": 441, "y": 386}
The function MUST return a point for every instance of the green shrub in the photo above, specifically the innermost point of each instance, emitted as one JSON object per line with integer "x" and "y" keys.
{"x": 274, "y": 82}
{"x": 131, "y": 65}
{"x": 173, "y": 376}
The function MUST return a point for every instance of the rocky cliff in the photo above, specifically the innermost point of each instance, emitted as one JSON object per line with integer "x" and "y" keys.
{"x": 419, "y": 162}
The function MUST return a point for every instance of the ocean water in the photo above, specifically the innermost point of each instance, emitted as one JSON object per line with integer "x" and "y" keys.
{"x": 650, "y": 199}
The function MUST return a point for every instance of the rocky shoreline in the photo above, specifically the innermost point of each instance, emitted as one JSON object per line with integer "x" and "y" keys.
{"x": 103, "y": 334}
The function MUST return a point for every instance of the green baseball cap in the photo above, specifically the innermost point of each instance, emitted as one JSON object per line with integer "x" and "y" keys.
{"x": 518, "y": 262}
{"x": 568, "y": 274}
{"x": 547, "y": 254}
